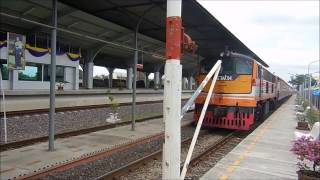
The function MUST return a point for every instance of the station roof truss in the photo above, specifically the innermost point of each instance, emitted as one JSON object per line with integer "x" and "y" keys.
{"x": 115, "y": 21}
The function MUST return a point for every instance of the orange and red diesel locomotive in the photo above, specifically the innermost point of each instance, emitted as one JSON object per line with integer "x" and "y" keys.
{"x": 245, "y": 91}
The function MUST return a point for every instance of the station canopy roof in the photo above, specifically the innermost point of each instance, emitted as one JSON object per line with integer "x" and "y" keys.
{"x": 115, "y": 21}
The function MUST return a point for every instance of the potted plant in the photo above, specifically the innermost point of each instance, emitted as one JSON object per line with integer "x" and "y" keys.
{"x": 113, "y": 115}
{"x": 60, "y": 85}
{"x": 308, "y": 151}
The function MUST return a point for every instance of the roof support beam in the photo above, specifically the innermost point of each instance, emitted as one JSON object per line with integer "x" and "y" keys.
{"x": 125, "y": 11}
{"x": 128, "y": 6}
{"x": 28, "y": 11}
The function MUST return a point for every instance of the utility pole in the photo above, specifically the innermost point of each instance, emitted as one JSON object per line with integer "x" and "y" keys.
{"x": 172, "y": 92}
{"x": 53, "y": 75}
{"x": 309, "y": 84}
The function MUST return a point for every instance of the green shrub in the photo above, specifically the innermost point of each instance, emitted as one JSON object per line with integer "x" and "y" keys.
{"x": 305, "y": 104}
{"x": 313, "y": 116}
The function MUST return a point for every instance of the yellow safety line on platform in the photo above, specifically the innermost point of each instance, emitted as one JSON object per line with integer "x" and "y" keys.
{"x": 231, "y": 168}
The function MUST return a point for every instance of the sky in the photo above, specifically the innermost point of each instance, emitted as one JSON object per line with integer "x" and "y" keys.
{"x": 285, "y": 34}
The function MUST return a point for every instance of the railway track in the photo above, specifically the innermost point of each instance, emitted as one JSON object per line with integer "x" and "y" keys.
{"x": 124, "y": 170}
{"x": 41, "y": 136}
{"x": 91, "y": 157}
{"x": 18, "y": 144}
{"x": 219, "y": 147}
{"x": 116, "y": 173}
{"x": 75, "y": 108}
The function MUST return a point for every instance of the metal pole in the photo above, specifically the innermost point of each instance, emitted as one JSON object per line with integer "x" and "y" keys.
{"x": 304, "y": 89}
{"x": 53, "y": 75}
{"x": 309, "y": 88}
{"x": 172, "y": 92}
{"x": 135, "y": 62}
{"x": 4, "y": 110}
{"x": 134, "y": 85}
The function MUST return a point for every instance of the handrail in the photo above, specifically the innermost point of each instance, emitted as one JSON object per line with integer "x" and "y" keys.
{"x": 215, "y": 70}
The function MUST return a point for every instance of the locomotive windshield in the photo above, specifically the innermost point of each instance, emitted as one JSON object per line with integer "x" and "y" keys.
{"x": 236, "y": 66}
{"x": 230, "y": 66}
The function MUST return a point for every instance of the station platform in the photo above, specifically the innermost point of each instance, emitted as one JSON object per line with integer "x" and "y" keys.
{"x": 28, "y": 159}
{"x": 23, "y": 100}
{"x": 265, "y": 153}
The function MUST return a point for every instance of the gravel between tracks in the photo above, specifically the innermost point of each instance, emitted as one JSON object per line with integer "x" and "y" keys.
{"x": 97, "y": 168}
{"x": 36, "y": 125}
{"x": 153, "y": 169}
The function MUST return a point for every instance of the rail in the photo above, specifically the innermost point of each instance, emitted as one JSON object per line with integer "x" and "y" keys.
{"x": 115, "y": 174}
{"x": 90, "y": 157}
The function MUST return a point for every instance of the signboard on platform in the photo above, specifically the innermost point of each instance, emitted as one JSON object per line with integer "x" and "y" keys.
{"x": 16, "y": 51}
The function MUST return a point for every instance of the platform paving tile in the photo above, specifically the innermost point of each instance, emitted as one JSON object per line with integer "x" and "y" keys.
{"x": 28, "y": 159}
{"x": 265, "y": 153}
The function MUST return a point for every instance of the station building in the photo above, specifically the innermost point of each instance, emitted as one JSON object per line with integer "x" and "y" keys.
{"x": 36, "y": 74}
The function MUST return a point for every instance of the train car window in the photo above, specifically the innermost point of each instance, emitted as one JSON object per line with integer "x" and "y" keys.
{"x": 267, "y": 76}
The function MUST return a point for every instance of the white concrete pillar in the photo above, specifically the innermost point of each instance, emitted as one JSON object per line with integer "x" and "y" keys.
{"x": 110, "y": 77}
{"x": 157, "y": 79}
{"x": 146, "y": 80}
{"x": 88, "y": 72}
{"x": 171, "y": 114}
{"x": 129, "y": 77}
{"x": 185, "y": 82}
{"x": 190, "y": 82}
{"x": 13, "y": 79}
{"x": 76, "y": 78}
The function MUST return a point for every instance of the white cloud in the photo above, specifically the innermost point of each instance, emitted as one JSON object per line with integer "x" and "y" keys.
{"x": 99, "y": 70}
{"x": 285, "y": 34}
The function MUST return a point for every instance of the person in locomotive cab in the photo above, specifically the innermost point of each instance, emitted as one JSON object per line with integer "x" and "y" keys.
{"x": 18, "y": 47}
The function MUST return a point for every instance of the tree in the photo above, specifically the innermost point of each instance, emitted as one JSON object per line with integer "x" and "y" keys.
{"x": 103, "y": 76}
{"x": 299, "y": 79}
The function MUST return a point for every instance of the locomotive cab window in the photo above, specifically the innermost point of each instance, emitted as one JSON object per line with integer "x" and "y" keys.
{"x": 243, "y": 66}
{"x": 236, "y": 65}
